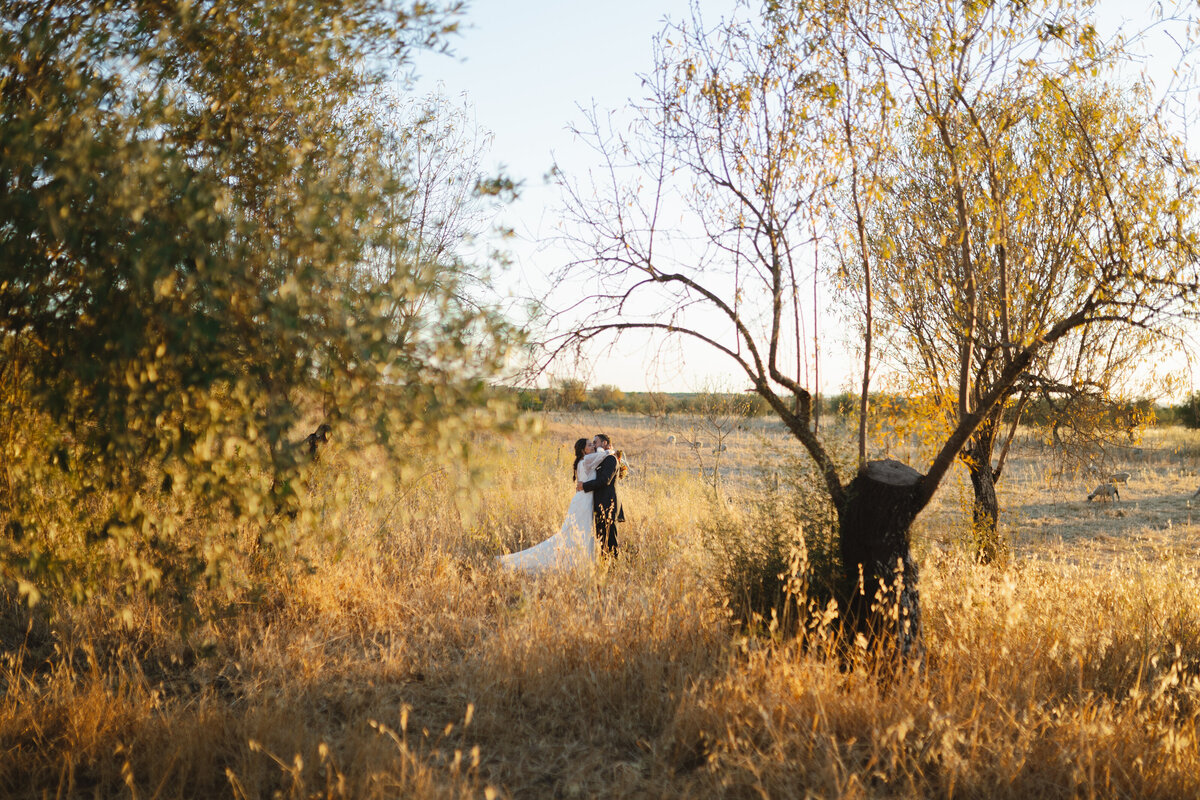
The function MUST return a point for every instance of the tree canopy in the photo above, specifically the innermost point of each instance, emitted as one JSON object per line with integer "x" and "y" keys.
{"x": 968, "y": 269}
{"x": 194, "y": 200}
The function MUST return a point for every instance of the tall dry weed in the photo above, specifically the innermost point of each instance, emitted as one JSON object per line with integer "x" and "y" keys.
{"x": 392, "y": 658}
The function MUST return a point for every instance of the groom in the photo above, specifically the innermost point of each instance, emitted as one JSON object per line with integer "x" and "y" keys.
{"x": 606, "y": 507}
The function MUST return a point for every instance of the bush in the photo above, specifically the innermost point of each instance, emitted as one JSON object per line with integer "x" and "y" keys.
{"x": 204, "y": 256}
{"x": 775, "y": 559}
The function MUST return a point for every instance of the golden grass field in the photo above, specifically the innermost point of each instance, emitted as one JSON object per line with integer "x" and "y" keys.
{"x": 404, "y": 664}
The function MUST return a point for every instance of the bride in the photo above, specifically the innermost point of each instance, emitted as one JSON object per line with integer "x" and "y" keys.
{"x": 575, "y": 543}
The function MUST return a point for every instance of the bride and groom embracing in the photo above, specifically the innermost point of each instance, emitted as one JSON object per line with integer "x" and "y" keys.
{"x": 592, "y": 514}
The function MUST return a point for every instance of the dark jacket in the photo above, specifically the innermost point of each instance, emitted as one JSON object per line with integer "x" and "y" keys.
{"x": 606, "y": 506}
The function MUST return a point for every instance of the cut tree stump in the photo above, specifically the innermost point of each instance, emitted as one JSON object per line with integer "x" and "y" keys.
{"x": 880, "y": 577}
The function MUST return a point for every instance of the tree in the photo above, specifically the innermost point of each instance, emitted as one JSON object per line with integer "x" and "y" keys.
{"x": 719, "y": 413}
{"x": 571, "y": 393}
{"x": 190, "y": 198}
{"x": 608, "y": 397}
{"x": 1187, "y": 413}
{"x": 756, "y": 124}
{"x": 1030, "y": 206}
{"x": 656, "y": 407}
{"x": 435, "y": 152}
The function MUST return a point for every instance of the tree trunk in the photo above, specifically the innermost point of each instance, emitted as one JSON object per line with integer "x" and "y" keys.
{"x": 879, "y": 589}
{"x": 985, "y": 511}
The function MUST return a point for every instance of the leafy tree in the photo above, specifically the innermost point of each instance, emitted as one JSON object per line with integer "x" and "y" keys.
{"x": 758, "y": 125}
{"x": 530, "y": 400}
{"x": 1187, "y": 413}
{"x": 968, "y": 268}
{"x": 608, "y": 397}
{"x": 656, "y": 406}
{"x": 191, "y": 198}
{"x": 571, "y": 393}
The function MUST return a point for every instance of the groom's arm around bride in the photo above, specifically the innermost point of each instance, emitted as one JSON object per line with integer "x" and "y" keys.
{"x": 606, "y": 507}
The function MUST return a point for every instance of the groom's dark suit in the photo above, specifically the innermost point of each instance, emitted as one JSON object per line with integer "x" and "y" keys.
{"x": 606, "y": 506}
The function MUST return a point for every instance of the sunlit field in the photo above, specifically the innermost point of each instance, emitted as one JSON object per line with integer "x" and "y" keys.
{"x": 400, "y": 662}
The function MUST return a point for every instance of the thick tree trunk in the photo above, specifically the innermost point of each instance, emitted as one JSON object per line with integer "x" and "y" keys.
{"x": 879, "y": 591}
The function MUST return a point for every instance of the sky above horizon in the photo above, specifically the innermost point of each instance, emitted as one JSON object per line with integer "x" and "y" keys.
{"x": 526, "y": 68}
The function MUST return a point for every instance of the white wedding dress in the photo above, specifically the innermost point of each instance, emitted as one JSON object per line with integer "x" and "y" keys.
{"x": 575, "y": 542}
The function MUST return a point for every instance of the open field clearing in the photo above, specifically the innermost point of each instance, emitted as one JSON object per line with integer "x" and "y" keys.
{"x": 1044, "y": 508}
{"x": 271, "y": 316}
{"x": 402, "y": 663}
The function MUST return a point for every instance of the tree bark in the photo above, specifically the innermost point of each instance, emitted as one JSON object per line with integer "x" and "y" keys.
{"x": 985, "y": 508}
{"x": 985, "y": 512}
{"x": 879, "y": 589}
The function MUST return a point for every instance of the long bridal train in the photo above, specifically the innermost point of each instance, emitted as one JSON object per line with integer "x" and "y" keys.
{"x": 575, "y": 542}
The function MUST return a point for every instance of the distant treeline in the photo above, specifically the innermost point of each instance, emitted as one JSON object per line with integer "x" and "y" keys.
{"x": 1185, "y": 413}
{"x": 574, "y": 395}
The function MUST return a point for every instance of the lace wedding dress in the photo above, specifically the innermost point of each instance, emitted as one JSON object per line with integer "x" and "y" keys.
{"x": 575, "y": 543}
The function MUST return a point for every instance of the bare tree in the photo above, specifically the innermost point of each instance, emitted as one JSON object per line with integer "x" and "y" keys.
{"x": 435, "y": 149}
{"x": 719, "y": 411}
{"x": 753, "y": 125}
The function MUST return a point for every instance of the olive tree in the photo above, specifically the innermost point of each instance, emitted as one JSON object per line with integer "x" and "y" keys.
{"x": 754, "y": 127}
{"x": 192, "y": 197}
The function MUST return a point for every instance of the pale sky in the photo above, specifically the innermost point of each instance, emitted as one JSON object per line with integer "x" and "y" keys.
{"x": 526, "y": 66}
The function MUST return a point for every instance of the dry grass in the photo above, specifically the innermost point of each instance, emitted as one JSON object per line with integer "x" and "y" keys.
{"x": 410, "y": 667}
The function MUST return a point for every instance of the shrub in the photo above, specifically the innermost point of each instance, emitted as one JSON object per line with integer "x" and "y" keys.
{"x": 775, "y": 557}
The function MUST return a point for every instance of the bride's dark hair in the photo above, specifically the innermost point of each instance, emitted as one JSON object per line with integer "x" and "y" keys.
{"x": 579, "y": 445}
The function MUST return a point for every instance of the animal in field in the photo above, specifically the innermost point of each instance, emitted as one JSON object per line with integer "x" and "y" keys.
{"x": 315, "y": 440}
{"x": 1105, "y": 491}
{"x": 719, "y": 449}
{"x": 671, "y": 440}
{"x": 1119, "y": 477}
